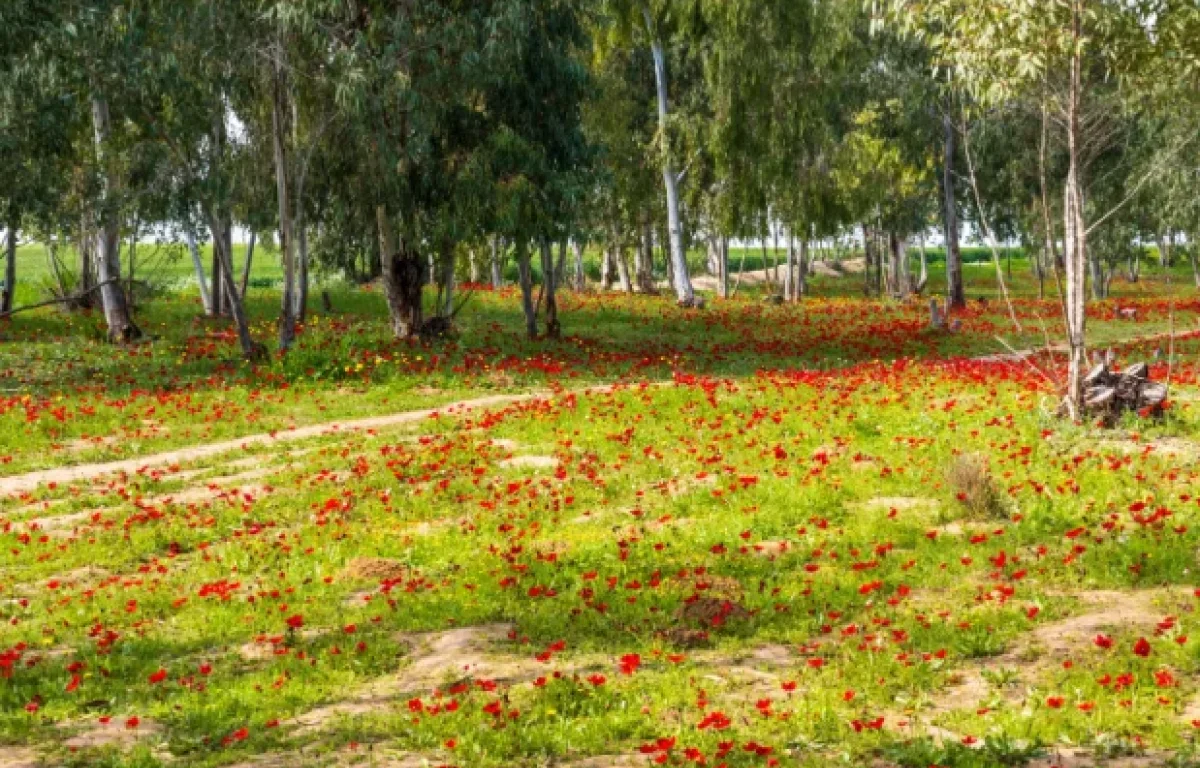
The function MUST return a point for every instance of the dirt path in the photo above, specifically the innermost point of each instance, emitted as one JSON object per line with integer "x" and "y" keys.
{"x": 757, "y": 277}
{"x": 1022, "y": 355}
{"x": 63, "y": 475}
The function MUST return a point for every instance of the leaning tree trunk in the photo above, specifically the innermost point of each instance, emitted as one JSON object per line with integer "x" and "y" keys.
{"x": 1075, "y": 234}
{"x": 251, "y": 349}
{"x": 549, "y": 289}
{"x": 403, "y": 278}
{"x": 10, "y": 268}
{"x": 108, "y": 264}
{"x": 201, "y": 278}
{"x": 246, "y": 266}
{"x": 279, "y": 116}
{"x": 216, "y": 306}
{"x": 956, "y": 296}
{"x": 525, "y": 273}
{"x": 677, "y": 258}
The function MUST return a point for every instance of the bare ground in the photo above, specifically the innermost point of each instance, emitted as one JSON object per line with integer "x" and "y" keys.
{"x": 64, "y": 475}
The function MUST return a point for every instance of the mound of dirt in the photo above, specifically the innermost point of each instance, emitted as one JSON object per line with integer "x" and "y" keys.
{"x": 375, "y": 569}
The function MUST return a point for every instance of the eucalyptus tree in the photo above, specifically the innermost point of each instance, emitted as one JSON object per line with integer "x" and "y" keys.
{"x": 625, "y": 187}
{"x": 537, "y": 147}
{"x": 655, "y": 24}
{"x": 38, "y": 127}
{"x": 190, "y": 102}
{"x": 406, "y": 68}
{"x": 91, "y": 49}
{"x": 999, "y": 50}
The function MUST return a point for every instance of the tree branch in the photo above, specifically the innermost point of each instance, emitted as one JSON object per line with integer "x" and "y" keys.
{"x": 62, "y": 300}
{"x": 1138, "y": 187}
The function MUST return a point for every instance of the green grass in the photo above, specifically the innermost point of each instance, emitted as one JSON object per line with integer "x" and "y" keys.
{"x": 787, "y": 466}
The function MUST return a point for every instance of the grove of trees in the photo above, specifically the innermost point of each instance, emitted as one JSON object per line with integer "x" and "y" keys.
{"x": 413, "y": 141}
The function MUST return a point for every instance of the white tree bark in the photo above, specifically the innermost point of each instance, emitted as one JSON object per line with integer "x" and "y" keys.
{"x": 279, "y": 112}
{"x": 108, "y": 246}
{"x": 497, "y": 254}
{"x": 201, "y": 280}
{"x": 1075, "y": 231}
{"x": 682, "y": 285}
{"x": 580, "y": 276}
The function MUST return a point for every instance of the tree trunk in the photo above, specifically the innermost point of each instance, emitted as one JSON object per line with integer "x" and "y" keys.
{"x": 623, "y": 269}
{"x": 723, "y": 282}
{"x": 447, "y": 280}
{"x": 665, "y": 239}
{"x": 1096, "y": 266}
{"x": 217, "y": 305}
{"x": 560, "y": 268}
{"x": 10, "y": 268}
{"x": 121, "y": 327}
{"x": 924, "y": 280}
{"x": 224, "y": 230}
{"x": 801, "y": 288}
{"x": 868, "y": 257}
{"x": 279, "y": 116}
{"x": 1075, "y": 231}
{"x": 1164, "y": 251}
{"x": 606, "y": 268}
{"x": 133, "y": 235}
{"x": 1134, "y": 268}
{"x": 789, "y": 269}
{"x": 676, "y": 256}
{"x": 644, "y": 261}
{"x": 87, "y": 263}
{"x": 956, "y": 296}
{"x": 474, "y": 261}
{"x": 1194, "y": 257}
{"x": 525, "y": 273}
{"x": 580, "y": 276}
{"x": 251, "y": 349}
{"x": 774, "y": 254}
{"x": 300, "y": 309}
{"x": 247, "y": 265}
{"x": 713, "y": 263}
{"x": 497, "y": 274}
{"x": 549, "y": 288}
{"x": 1049, "y": 247}
{"x": 403, "y": 277}
{"x": 899, "y": 276}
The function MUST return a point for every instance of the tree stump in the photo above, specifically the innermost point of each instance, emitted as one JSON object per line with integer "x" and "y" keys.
{"x": 1109, "y": 395}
